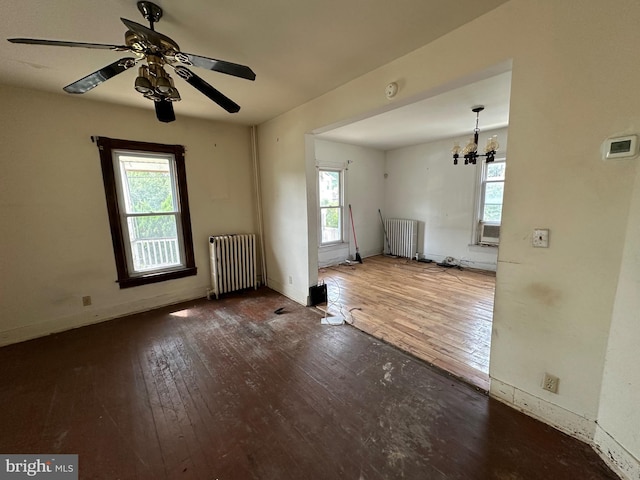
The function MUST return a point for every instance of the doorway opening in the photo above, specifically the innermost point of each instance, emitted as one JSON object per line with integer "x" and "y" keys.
{"x": 397, "y": 164}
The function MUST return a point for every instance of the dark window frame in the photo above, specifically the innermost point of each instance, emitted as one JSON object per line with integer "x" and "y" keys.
{"x": 106, "y": 146}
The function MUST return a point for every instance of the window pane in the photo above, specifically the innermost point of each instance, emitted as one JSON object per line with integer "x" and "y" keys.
{"x": 148, "y": 206}
{"x": 154, "y": 242}
{"x": 493, "y": 192}
{"x": 492, "y": 213}
{"x": 329, "y": 188}
{"x": 495, "y": 171}
{"x": 330, "y": 225}
{"x": 148, "y": 185}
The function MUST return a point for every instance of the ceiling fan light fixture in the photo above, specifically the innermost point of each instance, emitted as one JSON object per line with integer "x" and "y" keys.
{"x": 153, "y": 96}
{"x": 174, "y": 95}
{"x": 163, "y": 85}
{"x": 143, "y": 83}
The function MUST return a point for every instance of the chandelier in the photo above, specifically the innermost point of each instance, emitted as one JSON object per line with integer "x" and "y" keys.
{"x": 470, "y": 151}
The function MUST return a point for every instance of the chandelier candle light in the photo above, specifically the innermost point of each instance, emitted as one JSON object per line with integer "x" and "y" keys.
{"x": 470, "y": 151}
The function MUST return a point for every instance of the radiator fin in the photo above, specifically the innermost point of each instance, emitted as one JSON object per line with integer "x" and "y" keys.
{"x": 402, "y": 236}
{"x": 233, "y": 263}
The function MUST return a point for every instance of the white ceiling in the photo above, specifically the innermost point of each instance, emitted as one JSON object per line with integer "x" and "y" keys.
{"x": 440, "y": 116}
{"x": 299, "y": 49}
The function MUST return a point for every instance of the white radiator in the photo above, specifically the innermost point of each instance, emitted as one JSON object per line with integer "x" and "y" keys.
{"x": 233, "y": 263}
{"x": 402, "y": 237}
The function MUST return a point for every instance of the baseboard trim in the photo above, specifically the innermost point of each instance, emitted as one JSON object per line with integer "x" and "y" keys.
{"x": 96, "y": 315}
{"x": 619, "y": 459}
{"x": 558, "y": 417}
{"x": 288, "y": 291}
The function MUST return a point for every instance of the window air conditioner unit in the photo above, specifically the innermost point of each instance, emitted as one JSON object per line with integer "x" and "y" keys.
{"x": 489, "y": 234}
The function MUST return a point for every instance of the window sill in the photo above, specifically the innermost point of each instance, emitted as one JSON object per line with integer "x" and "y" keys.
{"x": 328, "y": 246}
{"x": 156, "y": 277}
{"x": 479, "y": 247}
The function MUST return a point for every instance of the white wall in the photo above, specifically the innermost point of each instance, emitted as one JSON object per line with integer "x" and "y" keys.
{"x": 553, "y": 306}
{"x": 424, "y": 185}
{"x": 364, "y": 181}
{"x": 618, "y": 431}
{"x": 56, "y": 244}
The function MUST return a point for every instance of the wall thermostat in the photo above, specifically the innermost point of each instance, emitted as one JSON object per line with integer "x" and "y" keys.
{"x": 620, "y": 147}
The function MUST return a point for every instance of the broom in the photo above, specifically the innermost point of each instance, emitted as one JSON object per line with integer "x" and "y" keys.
{"x": 355, "y": 240}
{"x": 385, "y": 234}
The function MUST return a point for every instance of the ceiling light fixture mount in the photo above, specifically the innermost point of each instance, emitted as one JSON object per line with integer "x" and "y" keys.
{"x": 470, "y": 151}
{"x": 150, "y": 11}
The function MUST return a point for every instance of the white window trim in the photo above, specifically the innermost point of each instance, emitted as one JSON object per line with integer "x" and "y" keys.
{"x": 479, "y": 204}
{"x": 124, "y": 215}
{"x": 342, "y": 169}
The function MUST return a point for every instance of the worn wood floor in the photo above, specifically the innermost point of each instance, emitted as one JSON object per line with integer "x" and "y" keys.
{"x": 230, "y": 390}
{"x": 440, "y": 315}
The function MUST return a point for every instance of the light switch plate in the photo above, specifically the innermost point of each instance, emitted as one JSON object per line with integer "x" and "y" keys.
{"x": 541, "y": 238}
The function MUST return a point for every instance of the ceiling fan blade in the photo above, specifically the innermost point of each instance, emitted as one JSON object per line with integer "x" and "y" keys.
{"x": 96, "y": 78}
{"x": 206, "y": 89}
{"x": 164, "y": 111}
{"x": 221, "y": 66}
{"x": 151, "y": 36}
{"x": 57, "y": 43}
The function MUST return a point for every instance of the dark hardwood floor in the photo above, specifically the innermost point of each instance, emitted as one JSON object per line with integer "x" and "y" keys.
{"x": 228, "y": 390}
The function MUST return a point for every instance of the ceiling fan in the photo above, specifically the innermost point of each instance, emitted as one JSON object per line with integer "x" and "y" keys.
{"x": 159, "y": 51}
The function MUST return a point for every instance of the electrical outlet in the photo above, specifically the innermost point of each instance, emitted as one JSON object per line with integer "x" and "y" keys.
{"x": 540, "y": 238}
{"x": 290, "y": 280}
{"x": 86, "y": 301}
{"x": 550, "y": 383}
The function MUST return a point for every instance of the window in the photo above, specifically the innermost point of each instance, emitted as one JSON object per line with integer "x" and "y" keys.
{"x": 330, "y": 197}
{"x": 146, "y": 191}
{"x": 492, "y": 191}
{"x": 490, "y": 202}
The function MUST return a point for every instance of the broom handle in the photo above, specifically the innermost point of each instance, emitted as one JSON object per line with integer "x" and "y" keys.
{"x": 385, "y": 232}
{"x": 353, "y": 227}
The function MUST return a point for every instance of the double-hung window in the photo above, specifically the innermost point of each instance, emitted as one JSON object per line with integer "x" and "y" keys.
{"x": 330, "y": 196}
{"x": 491, "y": 200}
{"x": 148, "y": 207}
{"x": 493, "y": 191}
